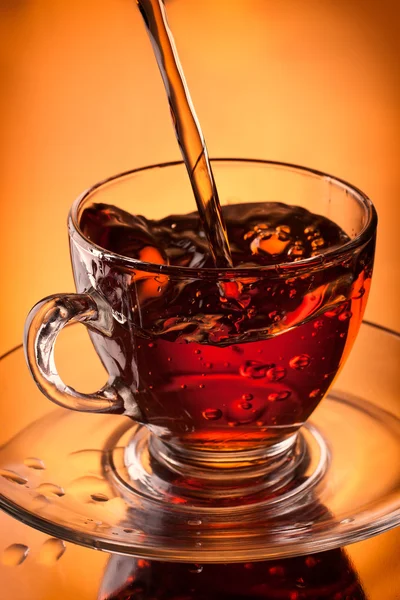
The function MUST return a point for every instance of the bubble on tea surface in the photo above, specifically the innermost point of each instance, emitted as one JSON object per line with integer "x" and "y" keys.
{"x": 34, "y": 463}
{"x": 283, "y": 233}
{"x": 48, "y": 490}
{"x": 300, "y": 362}
{"x": 276, "y": 373}
{"x": 297, "y": 250}
{"x": 51, "y": 551}
{"x": 13, "y": 476}
{"x": 14, "y": 555}
{"x": 312, "y": 232}
{"x": 212, "y": 414}
{"x": 317, "y": 243}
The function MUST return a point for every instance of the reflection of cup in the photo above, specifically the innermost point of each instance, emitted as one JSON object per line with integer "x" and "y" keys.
{"x": 215, "y": 391}
{"x": 326, "y": 575}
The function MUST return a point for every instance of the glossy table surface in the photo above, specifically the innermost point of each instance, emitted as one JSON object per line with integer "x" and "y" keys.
{"x": 79, "y": 572}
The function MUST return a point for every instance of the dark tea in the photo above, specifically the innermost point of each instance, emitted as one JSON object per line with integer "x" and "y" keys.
{"x": 238, "y": 361}
{"x": 323, "y": 576}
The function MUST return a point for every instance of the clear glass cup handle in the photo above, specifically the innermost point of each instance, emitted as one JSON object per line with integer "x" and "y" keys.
{"x": 45, "y": 321}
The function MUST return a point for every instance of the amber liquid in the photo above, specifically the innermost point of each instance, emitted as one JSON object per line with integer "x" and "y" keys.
{"x": 236, "y": 362}
{"x": 188, "y": 132}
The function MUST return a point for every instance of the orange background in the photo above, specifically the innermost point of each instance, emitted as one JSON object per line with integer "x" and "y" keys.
{"x": 311, "y": 82}
{"x": 314, "y": 82}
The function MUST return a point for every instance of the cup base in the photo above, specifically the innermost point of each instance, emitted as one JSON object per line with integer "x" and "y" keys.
{"x": 247, "y": 479}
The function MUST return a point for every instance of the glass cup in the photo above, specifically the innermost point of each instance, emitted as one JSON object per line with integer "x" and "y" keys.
{"x": 221, "y": 366}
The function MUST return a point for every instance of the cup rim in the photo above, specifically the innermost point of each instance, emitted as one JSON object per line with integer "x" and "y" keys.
{"x": 325, "y": 259}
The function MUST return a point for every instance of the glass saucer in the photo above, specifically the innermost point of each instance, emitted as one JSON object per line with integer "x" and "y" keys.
{"x": 76, "y": 476}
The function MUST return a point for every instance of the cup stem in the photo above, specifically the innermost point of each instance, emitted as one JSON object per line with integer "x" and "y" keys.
{"x": 228, "y": 476}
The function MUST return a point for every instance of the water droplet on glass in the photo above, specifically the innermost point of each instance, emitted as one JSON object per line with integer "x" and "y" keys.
{"x": 209, "y": 365}
{"x": 278, "y": 571}
{"x": 89, "y": 488}
{"x": 311, "y": 562}
{"x": 34, "y": 463}
{"x": 247, "y": 397}
{"x": 276, "y": 373}
{"x": 300, "y": 362}
{"x": 212, "y": 414}
{"x": 345, "y": 315}
{"x": 254, "y": 369}
{"x": 183, "y": 386}
{"x": 195, "y": 569}
{"x": 13, "y": 476}
{"x": 237, "y": 349}
{"x": 151, "y": 345}
{"x": 318, "y": 324}
{"x": 359, "y": 294}
{"x": 197, "y": 351}
{"x": 246, "y": 405}
{"x": 275, "y": 316}
{"x": 333, "y": 312}
{"x": 346, "y": 521}
{"x": 143, "y": 564}
{"x": 14, "y": 555}
{"x": 99, "y": 497}
{"x": 276, "y": 396}
{"x": 315, "y": 393}
{"x": 202, "y": 386}
{"x": 51, "y": 551}
{"x": 195, "y": 522}
{"x": 48, "y": 490}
